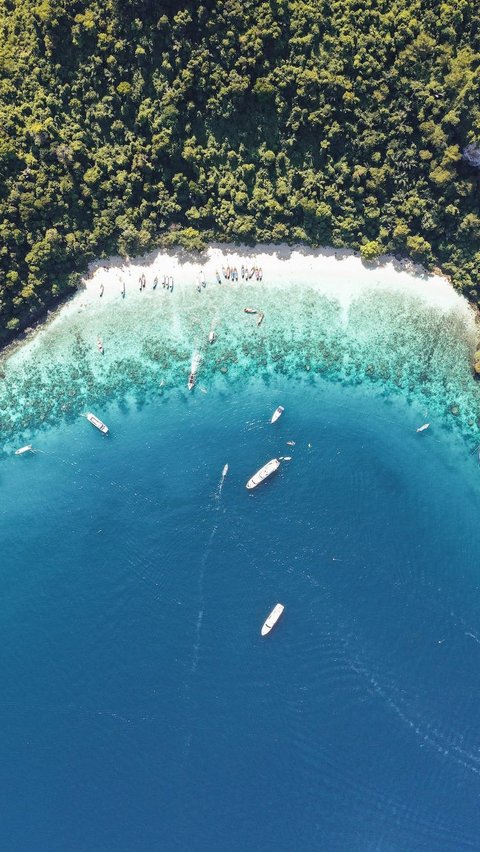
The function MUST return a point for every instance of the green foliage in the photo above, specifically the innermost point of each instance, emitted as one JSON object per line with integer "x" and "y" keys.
{"x": 371, "y": 249}
{"x": 126, "y": 124}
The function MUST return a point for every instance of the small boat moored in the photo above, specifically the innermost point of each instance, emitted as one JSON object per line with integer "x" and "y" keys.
{"x": 27, "y": 449}
{"x": 100, "y": 345}
{"x": 95, "y": 421}
{"x": 277, "y": 413}
{"x": 191, "y": 381}
{"x": 250, "y": 310}
{"x": 422, "y": 428}
{"x": 211, "y": 337}
{"x": 262, "y": 474}
{"x": 272, "y": 619}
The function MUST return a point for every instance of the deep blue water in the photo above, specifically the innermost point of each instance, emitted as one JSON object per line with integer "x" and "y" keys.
{"x": 140, "y": 707}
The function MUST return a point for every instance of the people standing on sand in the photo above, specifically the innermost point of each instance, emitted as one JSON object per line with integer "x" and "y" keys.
{"x": 260, "y": 273}
{"x": 170, "y": 281}
{"x": 243, "y": 271}
{"x": 123, "y": 290}
{"x": 252, "y": 272}
{"x": 228, "y": 273}
{"x": 219, "y": 280}
{"x": 155, "y": 282}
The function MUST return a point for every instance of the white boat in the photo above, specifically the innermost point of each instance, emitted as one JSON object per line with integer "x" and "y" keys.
{"x": 264, "y": 472}
{"x": 225, "y": 470}
{"x": 422, "y": 428}
{"x": 277, "y": 413}
{"x": 250, "y": 310}
{"x": 191, "y": 381}
{"x": 27, "y": 449}
{"x": 290, "y": 443}
{"x": 272, "y": 619}
{"x": 95, "y": 421}
{"x": 211, "y": 337}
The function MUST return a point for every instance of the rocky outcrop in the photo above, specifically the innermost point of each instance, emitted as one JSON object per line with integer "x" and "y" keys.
{"x": 476, "y": 363}
{"x": 471, "y": 155}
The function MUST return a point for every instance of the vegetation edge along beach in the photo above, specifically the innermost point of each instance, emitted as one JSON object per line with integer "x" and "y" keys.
{"x": 126, "y": 127}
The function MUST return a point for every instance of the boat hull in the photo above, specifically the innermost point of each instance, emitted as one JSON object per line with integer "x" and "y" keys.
{"x": 272, "y": 619}
{"x": 262, "y": 474}
{"x": 95, "y": 421}
{"x": 277, "y": 413}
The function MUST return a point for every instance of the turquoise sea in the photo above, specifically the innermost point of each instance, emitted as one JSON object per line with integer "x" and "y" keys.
{"x": 141, "y": 710}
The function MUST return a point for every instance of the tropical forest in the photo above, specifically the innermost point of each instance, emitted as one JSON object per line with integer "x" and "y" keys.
{"x": 133, "y": 124}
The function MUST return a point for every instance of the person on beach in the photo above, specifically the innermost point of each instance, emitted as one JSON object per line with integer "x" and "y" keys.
{"x": 243, "y": 271}
{"x": 252, "y": 272}
{"x": 155, "y": 282}
{"x": 228, "y": 273}
{"x": 102, "y": 288}
{"x": 219, "y": 280}
{"x": 260, "y": 273}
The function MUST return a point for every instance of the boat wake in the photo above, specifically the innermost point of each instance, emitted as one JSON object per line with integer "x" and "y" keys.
{"x": 196, "y": 361}
{"x": 201, "y": 596}
{"x": 201, "y": 576}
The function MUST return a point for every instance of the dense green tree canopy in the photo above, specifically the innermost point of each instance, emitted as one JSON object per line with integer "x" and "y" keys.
{"x": 127, "y": 124}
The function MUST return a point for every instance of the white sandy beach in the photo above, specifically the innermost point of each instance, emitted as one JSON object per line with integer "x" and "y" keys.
{"x": 336, "y": 273}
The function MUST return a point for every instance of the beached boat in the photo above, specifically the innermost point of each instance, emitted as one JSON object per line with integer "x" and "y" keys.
{"x": 250, "y": 310}
{"x": 211, "y": 337}
{"x": 27, "y": 449}
{"x": 95, "y": 421}
{"x": 264, "y": 472}
{"x": 272, "y": 619}
{"x": 422, "y": 428}
{"x": 277, "y": 413}
{"x": 260, "y": 318}
{"x": 191, "y": 381}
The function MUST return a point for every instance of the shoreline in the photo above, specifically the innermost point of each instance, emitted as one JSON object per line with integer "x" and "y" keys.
{"x": 327, "y": 314}
{"x": 338, "y": 274}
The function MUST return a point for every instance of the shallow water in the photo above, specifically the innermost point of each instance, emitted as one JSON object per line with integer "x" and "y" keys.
{"x": 140, "y": 707}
